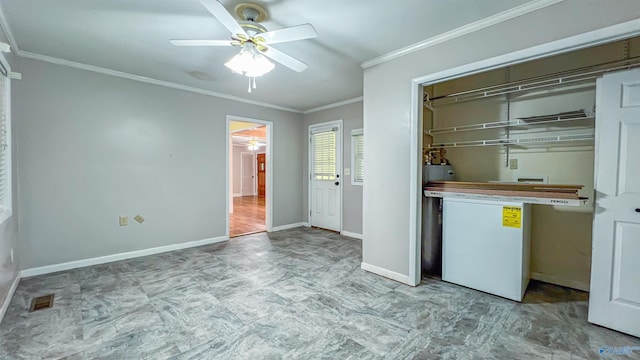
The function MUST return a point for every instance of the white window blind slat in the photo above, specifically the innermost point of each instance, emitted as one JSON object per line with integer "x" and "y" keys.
{"x": 357, "y": 157}
{"x": 324, "y": 155}
{"x": 3, "y": 141}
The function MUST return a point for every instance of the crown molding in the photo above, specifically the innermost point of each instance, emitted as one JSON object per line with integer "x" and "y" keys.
{"x": 4, "y": 24}
{"x": 101, "y": 70}
{"x": 333, "y": 105}
{"x": 462, "y": 30}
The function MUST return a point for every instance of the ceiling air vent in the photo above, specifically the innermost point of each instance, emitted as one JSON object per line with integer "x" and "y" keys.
{"x": 42, "y": 302}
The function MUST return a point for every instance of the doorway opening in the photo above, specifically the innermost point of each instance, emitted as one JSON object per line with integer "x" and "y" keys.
{"x": 249, "y": 176}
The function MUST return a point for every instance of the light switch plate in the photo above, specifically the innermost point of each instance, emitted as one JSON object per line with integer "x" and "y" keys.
{"x": 513, "y": 164}
{"x": 347, "y": 171}
{"x": 139, "y": 219}
{"x": 124, "y": 220}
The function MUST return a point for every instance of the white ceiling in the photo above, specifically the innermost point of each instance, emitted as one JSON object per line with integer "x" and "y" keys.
{"x": 132, "y": 36}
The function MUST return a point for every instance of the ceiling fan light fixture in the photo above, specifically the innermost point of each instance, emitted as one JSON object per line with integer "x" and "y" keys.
{"x": 254, "y": 144}
{"x": 249, "y": 62}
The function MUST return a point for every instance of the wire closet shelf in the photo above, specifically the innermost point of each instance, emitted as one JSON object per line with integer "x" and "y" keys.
{"x": 567, "y": 78}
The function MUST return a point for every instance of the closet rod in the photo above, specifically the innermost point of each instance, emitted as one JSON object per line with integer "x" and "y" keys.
{"x": 558, "y": 79}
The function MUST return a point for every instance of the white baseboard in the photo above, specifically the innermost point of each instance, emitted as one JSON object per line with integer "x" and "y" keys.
{"x": 117, "y": 257}
{"x": 556, "y": 280}
{"x": 289, "y": 226}
{"x": 7, "y": 300}
{"x": 351, "y": 234}
{"x": 237, "y": 194}
{"x": 386, "y": 273}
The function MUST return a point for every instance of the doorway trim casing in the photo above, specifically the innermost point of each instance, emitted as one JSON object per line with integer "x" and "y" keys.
{"x": 572, "y": 43}
{"x": 340, "y": 166}
{"x": 269, "y": 163}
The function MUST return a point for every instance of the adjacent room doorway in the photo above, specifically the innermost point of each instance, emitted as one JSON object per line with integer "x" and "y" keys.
{"x": 248, "y": 176}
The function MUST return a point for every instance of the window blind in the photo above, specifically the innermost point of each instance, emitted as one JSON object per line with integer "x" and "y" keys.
{"x": 4, "y": 148}
{"x": 324, "y": 155}
{"x": 357, "y": 146}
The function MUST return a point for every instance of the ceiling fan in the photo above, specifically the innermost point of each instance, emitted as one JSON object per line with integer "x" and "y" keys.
{"x": 253, "y": 39}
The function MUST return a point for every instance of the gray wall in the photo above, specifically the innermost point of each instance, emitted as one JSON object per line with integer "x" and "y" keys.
{"x": 237, "y": 172}
{"x": 92, "y": 147}
{"x": 351, "y": 114}
{"x": 9, "y": 229}
{"x": 387, "y": 109}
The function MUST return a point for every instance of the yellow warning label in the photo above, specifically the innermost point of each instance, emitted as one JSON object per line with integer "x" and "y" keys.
{"x": 512, "y": 216}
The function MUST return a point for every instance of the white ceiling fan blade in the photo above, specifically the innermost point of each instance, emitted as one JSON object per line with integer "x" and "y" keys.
{"x": 285, "y": 59}
{"x": 300, "y": 32}
{"x": 218, "y": 10}
{"x": 202, "y": 42}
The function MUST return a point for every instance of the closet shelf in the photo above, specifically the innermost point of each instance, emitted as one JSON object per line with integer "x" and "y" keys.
{"x": 518, "y": 141}
{"x": 534, "y": 120}
{"x": 574, "y": 77}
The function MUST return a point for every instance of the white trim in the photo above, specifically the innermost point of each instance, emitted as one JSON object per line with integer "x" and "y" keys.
{"x": 269, "y": 161}
{"x": 351, "y": 234}
{"x": 462, "y": 30}
{"x": 237, "y": 194}
{"x": 7, "y": 207}
{"x": 117, "y": 257}
{"x": 415, "y": 187}
{"x": 333, "y": 105}
{"x": 290, "y": 226}
{"x": 7, "y": 299}
{"x": 311, "y": 128}
{"x": 386, "y": 273}
{"x": 101, "y": 70}
{"x": 576, "y": 42}
{"x": 556, "y": 280}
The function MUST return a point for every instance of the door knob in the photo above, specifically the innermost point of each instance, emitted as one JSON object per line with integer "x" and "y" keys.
{"x": 337, "y": 183}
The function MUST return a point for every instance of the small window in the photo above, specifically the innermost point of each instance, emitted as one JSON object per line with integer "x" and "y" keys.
{"x": 324, "y": 155}
{"x": 357, "y": 157}
{"x": 5, "y": 141}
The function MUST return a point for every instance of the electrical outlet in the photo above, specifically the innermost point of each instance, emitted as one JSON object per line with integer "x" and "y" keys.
{"x": 139, "y": 219}
{"x": 513, "y": 164}
{"x": 124, "y": 220}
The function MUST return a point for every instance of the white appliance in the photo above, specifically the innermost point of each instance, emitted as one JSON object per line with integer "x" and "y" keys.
{"x": 486, "y": 245}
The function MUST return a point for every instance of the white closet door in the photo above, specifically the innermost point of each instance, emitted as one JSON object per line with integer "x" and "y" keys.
{"x": 614, "y": 301}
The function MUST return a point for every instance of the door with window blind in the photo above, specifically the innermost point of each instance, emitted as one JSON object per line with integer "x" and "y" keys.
{"x": 325, "y": 200}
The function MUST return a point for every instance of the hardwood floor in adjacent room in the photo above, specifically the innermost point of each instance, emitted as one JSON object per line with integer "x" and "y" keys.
{"x": 248, "y": 215}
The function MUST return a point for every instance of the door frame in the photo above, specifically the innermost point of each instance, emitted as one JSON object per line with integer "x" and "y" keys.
{"x": 572, "y": 43}
{"x": 339, "y": 166}
{"x": 268, "y": 161}
{"x": 253, "y": 172}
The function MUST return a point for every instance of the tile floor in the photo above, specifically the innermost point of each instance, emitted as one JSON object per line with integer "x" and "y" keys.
{"x": 294, "y": 294}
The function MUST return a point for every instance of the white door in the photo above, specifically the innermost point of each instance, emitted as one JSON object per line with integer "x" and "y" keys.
{"x": 614, "y": 300}
{"x": 247, "y": 174}
{"x": 326, "y": 183}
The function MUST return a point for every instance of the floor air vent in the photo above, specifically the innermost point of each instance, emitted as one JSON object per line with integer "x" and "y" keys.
{"x": 42, "y": 302}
